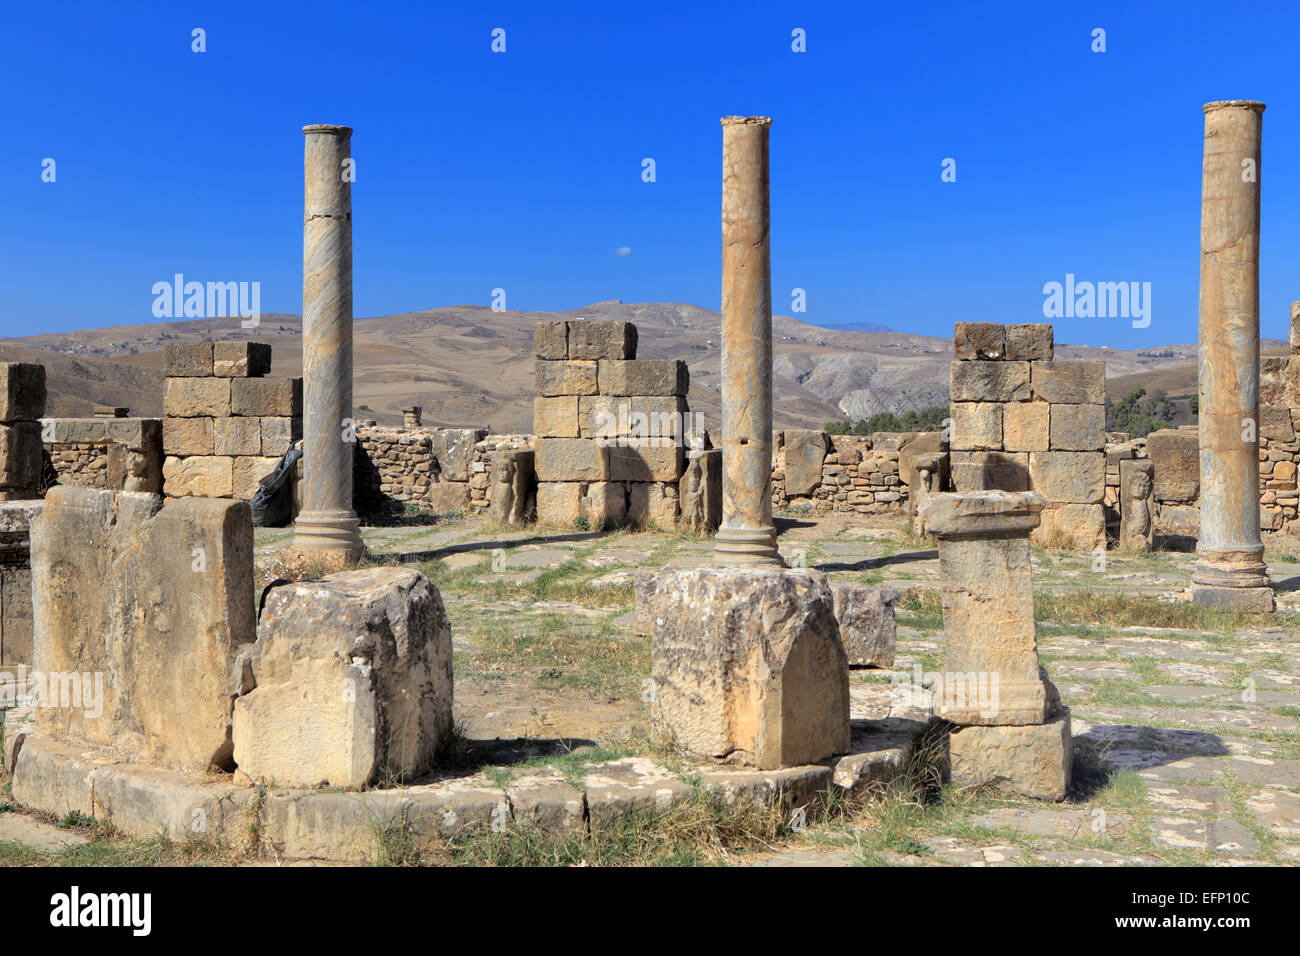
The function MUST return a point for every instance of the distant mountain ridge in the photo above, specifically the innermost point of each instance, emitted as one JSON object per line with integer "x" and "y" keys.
{"x": 470, "y": 365}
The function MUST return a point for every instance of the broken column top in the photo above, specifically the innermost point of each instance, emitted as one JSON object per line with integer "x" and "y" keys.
{"x": 1234, "y": 104}
{"x": 981, "y": 513}
{"x": 327, "y": 128}
{"x": 746, "y": 121}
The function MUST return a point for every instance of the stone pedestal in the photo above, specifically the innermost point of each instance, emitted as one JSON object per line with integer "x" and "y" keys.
{"x": 1230, "y": 570}
{"x": 748, "y": 665}
{"x": 327, "y": 522}
{"x": 747, "y": 535}
{"x": 992, "y": 675}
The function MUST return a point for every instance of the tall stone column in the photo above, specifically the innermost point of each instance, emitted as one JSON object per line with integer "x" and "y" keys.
{"x": 1230, "y": 570}
{"x": 747, "y": 535}
{"x": 327, "y": 523}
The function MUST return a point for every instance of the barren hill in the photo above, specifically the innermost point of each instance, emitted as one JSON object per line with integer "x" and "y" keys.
{"x": 469, "y": 365}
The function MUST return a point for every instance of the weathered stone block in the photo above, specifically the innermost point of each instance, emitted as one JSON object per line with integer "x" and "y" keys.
{"x": 604, "y": 503}
{"x": 454, "y": 449}
{"x": 1025, "y": 426}
{"x": 1068, "y": 476}
{"x": 236, "y": 436}
{"x": 187, "y": 436}
{"x": 654, "y": 503}
{"x": 1069, "y": 382}
{"x": 1072, "y": 526}
{"x": 22, "y": 391}
{"x": 279, "y": 434}
{"x": 566, "y": 378}
{"x": 15, "y": 616}
{"x": 1176, "y": 454}
{"x": 1275, "y": 423}
{"x": 556, "y": 416}
{"x": 600, "y": 339}
{"x": 1030, "y": 342}
{"x": 989, "y": 381}
{"x": 203, "y": 476}
{"x": 1273, "y": 379}
{"x": 644, "y": 377}
{"x": 266, "y": 397}
{"x": 990, "y": 471}
{"x": 867, "y": 626}
{"x": 699, "y": 492}
{"x": 1078, "y": 427}
{"x": 654, "y": 463}
{"x": 979, "y": 340}
{"x": 977, "y": 426}
{"x": 1255, "y": 600}
{"x": 558, "y": 502}
{"x": 748, "y": 664}
{"x": 571, "y": 459}
{"x": 1293, "y": 334}
{"x": 805, "y": 451}
{"x": 20, "y": 458}
{"x": 247, "y": 472}
{"x": 1034, "y": 760}
{"x": 448, "y": 497}
{"x": 551, "y": 340}
{"x": 196, "y": 397}
{"x": 155, "y": 599}
{"x": 241, "y": 359}
{"x": 641, "y": 416}
{"x": 188, "y": 359}
{"x": 353, "y": 678}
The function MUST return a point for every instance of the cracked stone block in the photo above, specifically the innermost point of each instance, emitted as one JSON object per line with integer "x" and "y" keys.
{"x": 748, "y": 664}
{"x": 353, "y": 681}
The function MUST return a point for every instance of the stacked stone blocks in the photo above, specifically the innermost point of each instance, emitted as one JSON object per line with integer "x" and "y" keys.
{"x": 609, "y": 445}
{"x": 1023, "y": 421}
{"x": 225, "y": 425}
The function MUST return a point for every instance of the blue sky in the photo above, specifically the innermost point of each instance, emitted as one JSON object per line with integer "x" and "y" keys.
{"x": 522, "y": 170}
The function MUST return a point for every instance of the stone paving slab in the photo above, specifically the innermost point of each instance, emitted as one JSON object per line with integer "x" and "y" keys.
{"x": 37, "y": 834}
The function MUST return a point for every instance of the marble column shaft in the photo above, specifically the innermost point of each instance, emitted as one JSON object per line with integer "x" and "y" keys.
{"x": 1230, "y": 550}
{"x": 747, "y": 535}
{"x": 327, "y": 521}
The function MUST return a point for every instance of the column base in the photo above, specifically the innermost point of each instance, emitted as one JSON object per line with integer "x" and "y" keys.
{"x": 1231, "y": 569}
{"x": 733, "y": 546}
{"x": 329, "y": 532}
{"x": 1234, "y": 599}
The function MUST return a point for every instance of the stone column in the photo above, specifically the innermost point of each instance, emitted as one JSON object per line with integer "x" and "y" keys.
{"x": 327, "y": 522}
{"x": 1230, "y": 570}
{"x": 747, "y": 535}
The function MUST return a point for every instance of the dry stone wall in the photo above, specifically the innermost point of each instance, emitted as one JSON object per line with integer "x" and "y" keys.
{"x": 431, "y": 468}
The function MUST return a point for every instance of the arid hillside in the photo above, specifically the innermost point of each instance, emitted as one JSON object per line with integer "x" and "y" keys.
{"x": 468, "y": 365}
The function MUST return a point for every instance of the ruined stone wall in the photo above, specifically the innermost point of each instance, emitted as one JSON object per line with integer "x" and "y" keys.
{"x": 830, "y": 473}
{"x": 1024, "y": 422}
{"x": 225, "y": 425}
{"x": 611, "y": 429}
{"x": 480, "y": 481}
{"x": 80, "y": 463}
{"x": 123, "y": 454}
{"x": 430, "y": 467}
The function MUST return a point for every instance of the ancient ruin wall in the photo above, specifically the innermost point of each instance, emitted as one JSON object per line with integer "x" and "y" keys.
{"x": 225, "y": 424}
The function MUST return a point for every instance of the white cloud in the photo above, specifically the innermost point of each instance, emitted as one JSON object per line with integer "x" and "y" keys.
{"x": 623, "y": 251}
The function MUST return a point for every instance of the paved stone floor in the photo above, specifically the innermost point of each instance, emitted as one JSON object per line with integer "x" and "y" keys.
{"x": 1187, "y": 724}
{"x": 1193, "y": 731}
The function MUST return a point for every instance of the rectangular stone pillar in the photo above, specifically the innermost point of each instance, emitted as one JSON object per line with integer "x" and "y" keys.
{"x": 1011, "y": 729}
{"x": 328, "y": 523}
{"x": 747, "y": 535}
{"x": 1230, "y": 570}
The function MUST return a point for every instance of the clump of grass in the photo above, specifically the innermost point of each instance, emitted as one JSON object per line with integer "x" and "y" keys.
{"x": 1117, "y": 609}
{"x": 702, "y": 829}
